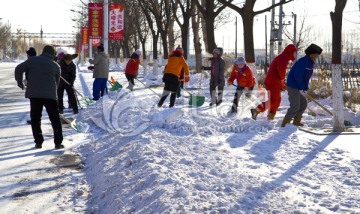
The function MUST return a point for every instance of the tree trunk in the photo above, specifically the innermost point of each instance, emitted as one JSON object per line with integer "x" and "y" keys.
{"x": 184, "y": 38}
{"x": 144, "y": 61}
{"x": 203, "y": 27}
{"x": 338, "y": 102}
{"x": 171, "y": 35}
{"x": 210, "y": 36}
{"x": 155, "y": 55}
{"x": 165, "y": 44}
{"x": 248, "y": 22}
{"x": 197, "y": 44}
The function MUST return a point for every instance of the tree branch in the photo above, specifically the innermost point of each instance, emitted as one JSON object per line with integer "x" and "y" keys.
{"x": 272, "y": 6}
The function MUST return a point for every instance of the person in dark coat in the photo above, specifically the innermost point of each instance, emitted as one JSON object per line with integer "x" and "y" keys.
{"x": 43, "y": 80}
{"x": 217, "y": 80}
{"x": 132, "y": 67}
{"x": 298, "y": 84}
{"x": 68, "y": 72}
{"x": 29, "y": 53}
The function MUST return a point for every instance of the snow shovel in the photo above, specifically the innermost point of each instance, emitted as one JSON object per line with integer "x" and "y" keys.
{"x": 116, "y": 86}
{"x": 148, "y": 87}
{"x": 73, "y": 124}
{"x": 87, "y": 100}
{"x": 197, "y": 100}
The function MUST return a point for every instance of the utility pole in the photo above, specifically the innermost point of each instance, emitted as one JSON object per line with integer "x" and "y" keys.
{"x": 236, "y": 37}
{"x": 106, "y": 26}
{"x": 280, "y": 29}
{"x": 273, "y": 32}
{"x": 41, "y": 32}
{"x": 266, "y": 55}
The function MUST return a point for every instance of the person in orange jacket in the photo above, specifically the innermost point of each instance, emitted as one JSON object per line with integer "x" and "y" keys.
{"x": 132, "y": 67}
{"x": 176, "y": 62}
{"x": 244, "y": 78}
{"x": 275, "y": 82}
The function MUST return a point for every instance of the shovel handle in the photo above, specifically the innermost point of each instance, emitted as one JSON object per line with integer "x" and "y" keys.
{"x": 148, "y": 87}
{"x": 82, "y": 96}
{"x": 65, "y": 119}
{"x": 321, "y": 106}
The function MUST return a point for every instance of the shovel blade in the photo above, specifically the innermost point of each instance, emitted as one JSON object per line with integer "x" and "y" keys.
{"x": 196, "y": 100}
{"x": 116, "y": 86}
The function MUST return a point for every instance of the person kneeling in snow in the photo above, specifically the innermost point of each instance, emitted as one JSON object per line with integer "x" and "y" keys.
{"x": 244, "y": 78}
{"x": 298, "y": 84}
{"x": 176, "y": 63}
{"x": 131, "y": 70}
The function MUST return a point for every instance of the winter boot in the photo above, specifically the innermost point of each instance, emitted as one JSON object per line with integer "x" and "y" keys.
{"x": 285, "y": 121}
{"x": 254, "y": 113}
{"x": 271, "y": 116}
{"x": 297, "y": 120}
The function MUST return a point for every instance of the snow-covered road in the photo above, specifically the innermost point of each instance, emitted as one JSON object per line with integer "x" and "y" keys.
{"x": 34, "y": 180}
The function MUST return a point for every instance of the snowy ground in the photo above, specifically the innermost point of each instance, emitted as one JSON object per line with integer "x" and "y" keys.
{"x": 141, "y": 159}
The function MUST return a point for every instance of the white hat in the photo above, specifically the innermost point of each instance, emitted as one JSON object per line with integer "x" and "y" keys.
{"x": 240, "y": 61}
{"x": 138, "y": 52}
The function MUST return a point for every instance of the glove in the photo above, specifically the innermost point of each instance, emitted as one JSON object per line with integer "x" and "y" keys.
{"x": 283, "y": 85}
{"x": 202, "y": 67}
{"x": 21, "y": 85}
{"x": 303, "y": 92}
{"x": 187, "y": 78}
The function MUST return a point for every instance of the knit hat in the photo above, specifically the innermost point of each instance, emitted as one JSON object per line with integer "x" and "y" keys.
{"x": 49, "y": 50}
{"x": 216, "y": 51}
{"x": 240, "y": 61}
{"x": 100, "y": 48}
{"x": 70, "y": 56}
{"x": 179, "y": 47}
{"x": 138, "y": 52}
{"x": 313, "y": 49}
{"x": 61, "y": 55}
{"x": 31, "y": 52}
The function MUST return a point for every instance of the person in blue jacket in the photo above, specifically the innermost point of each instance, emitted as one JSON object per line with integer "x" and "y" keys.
{"x": 298, "y": 84}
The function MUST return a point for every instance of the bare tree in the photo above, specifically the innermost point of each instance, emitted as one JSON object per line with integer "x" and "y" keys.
{"x": 195, "y": 22}
{"x": 338, "y": 103}
{"x": 209, "y": 9}
{"x": 185, "y": 7}
{"x": 302, "y": 34}
{"x": 144, "y": 5}
{"x": 5, "y": 34}
{"x": 161, "y": 11}
{"x": 246, "y": 11}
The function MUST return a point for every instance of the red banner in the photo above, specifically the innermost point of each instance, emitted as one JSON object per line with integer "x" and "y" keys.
{"x": 84, "y": 36}
{"x": 116, "y": 25}
{"x": 95, "y": 21}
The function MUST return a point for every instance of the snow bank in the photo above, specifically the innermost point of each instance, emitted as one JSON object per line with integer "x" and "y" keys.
{"x": 144, "y": 159}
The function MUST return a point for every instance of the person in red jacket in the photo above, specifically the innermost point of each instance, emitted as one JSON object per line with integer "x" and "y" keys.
{"x": 275, "y": 82}
{"x": 244, "y": 78}
{"x": 132, "y": 67}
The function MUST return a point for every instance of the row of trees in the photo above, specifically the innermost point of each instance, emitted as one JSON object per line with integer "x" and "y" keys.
{"x": 14, "y": 45}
